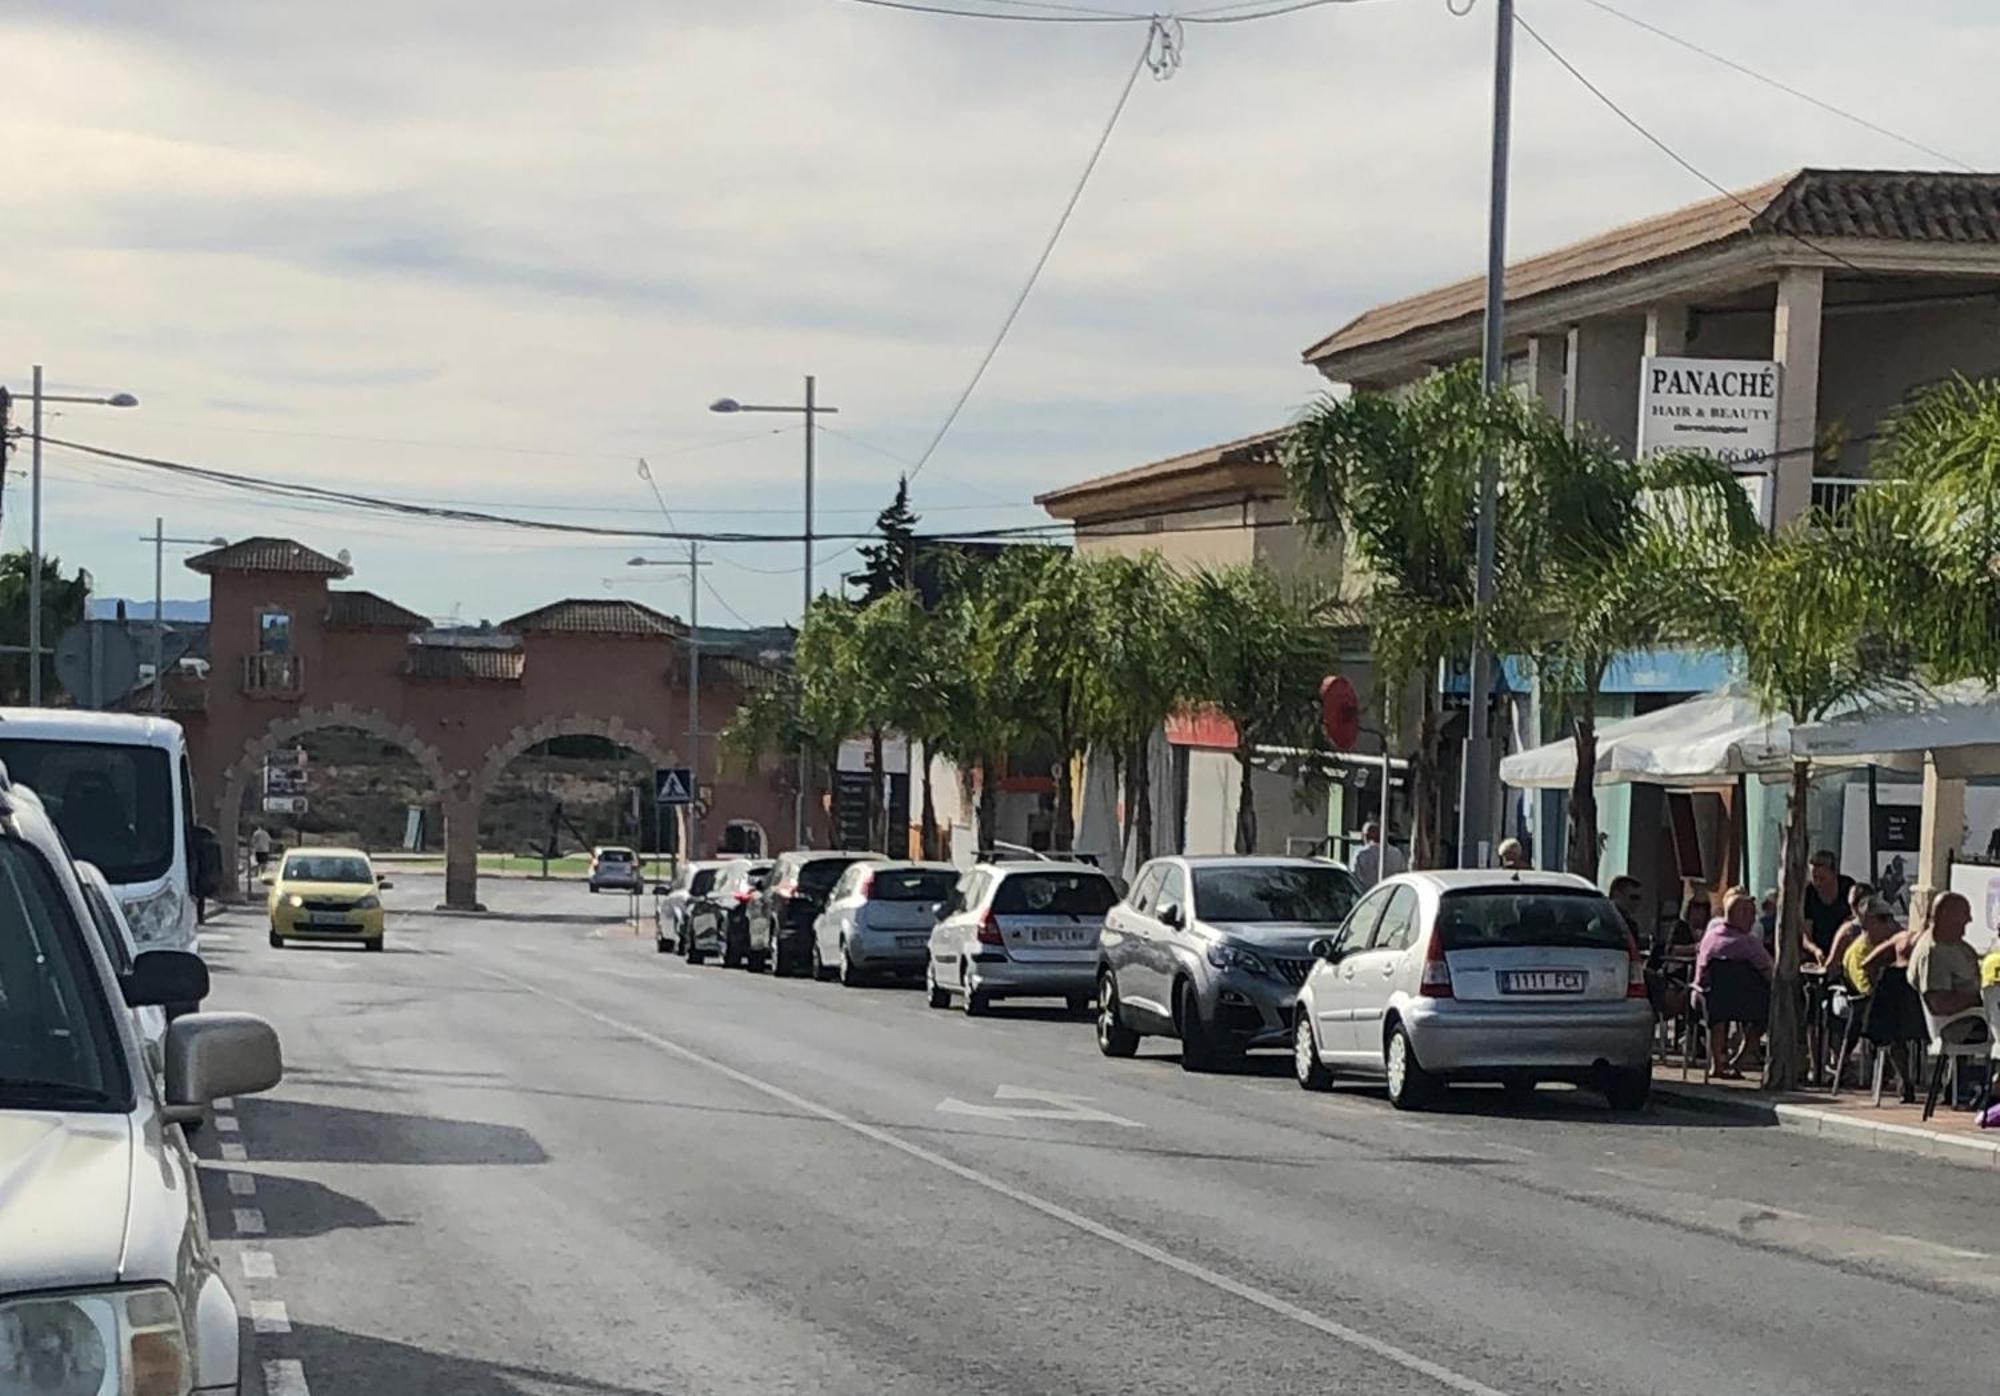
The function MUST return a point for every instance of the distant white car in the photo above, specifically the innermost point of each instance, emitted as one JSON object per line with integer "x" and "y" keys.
{"x": 121, "y": 948}
{"x": 614, "y": 865}
{"x": 878, "y": 920}
{"x": 1020, "y": 930}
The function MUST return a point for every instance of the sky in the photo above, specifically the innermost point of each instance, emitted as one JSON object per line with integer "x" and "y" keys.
{"x": 493, "y": 254}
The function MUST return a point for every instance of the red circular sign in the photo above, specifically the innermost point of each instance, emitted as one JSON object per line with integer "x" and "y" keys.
{"x": 1340, "y": 712}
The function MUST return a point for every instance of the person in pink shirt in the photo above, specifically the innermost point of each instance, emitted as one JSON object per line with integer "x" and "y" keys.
{"x": 1732, "y": 938}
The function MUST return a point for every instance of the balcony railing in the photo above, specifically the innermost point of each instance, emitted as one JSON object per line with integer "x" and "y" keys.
{"x": 1831, "y": 494}
{"x": 273, "y": 675}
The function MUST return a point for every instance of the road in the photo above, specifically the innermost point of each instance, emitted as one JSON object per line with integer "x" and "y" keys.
{"x": 525, "y": 1153}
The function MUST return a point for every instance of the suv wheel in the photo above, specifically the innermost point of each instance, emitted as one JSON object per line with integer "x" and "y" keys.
{"x": 938, "y": 995}
{"x": 1410, "y": 1086}
{"x": 1313, "y": 1074}
{"x": 1114, "y": 1039}
{"x": 1200, "y": 1049}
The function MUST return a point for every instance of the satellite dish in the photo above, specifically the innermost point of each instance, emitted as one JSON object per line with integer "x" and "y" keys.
{"x": 97, "y": 662}
{"x": 346, "y": 558}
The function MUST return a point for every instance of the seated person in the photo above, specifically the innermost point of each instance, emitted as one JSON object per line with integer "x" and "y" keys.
{"x": 1685, "y": 934}
{"x": 1857, "y": 905}
{"x": 1945, "y": 970}
{"x": 1989, "y": 968}
{"x": 1732, "y": 938}
{"x": 1874, "y": 967}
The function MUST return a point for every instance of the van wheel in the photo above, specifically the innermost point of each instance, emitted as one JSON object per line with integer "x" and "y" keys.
{"x": 936, "y": 994}
{"x": 1410, "y": 1086}
{"x": 1114, "y": 1039}
{"x": 1313, "y": 1074}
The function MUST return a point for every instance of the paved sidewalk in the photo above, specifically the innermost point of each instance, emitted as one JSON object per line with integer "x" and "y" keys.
{"x": 1852, "y": 1117}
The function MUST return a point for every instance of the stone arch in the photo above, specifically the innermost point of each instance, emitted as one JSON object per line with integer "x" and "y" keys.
{"x": 280, "y": 731}
{"x": 613, "y": 729}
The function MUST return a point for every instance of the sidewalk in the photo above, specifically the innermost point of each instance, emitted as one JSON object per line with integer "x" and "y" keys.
{"x": 1852, "y": 1118}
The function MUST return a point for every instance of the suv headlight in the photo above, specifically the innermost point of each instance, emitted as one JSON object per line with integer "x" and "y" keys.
{"x": 1224, "y": 954}
{"x": 109, "y": 1341}
{"x": 156, "y": 920}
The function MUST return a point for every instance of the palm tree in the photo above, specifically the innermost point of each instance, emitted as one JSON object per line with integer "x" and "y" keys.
{"x": 1042, "y": 665}
{"x": 1395, "y": 481}
{"x": 1612, "y": 557}
{"x": 1260, "y": 660}
{"x": 1144, "y": 666}
{"x": 911, "y": 655}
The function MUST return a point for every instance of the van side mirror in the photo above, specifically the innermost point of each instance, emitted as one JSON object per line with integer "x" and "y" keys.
{"x": 160, "y": 978}
{"x": 207, "y": 862}
{"x": 1327, "y": 948}
{"x": 209, "y": 1055}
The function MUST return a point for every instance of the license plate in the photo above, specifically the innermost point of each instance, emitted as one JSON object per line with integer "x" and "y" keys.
{"x": 329, "y": 918}
{"x": 1542, "y": 981}
{"x": 1055, "y": 935}
{"x": 912, "y": 942}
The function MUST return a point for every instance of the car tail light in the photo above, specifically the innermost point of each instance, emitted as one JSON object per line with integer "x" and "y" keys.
{"x": 743, "y": 894}
{"x": 1635, "y": 975}
{"x": 866, "y": 880}
{"x": 1436, "y": 983}
{"x": 989, "y": 931}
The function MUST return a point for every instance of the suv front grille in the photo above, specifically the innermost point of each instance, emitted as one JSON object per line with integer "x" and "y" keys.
{"x": 1294, "y": 972}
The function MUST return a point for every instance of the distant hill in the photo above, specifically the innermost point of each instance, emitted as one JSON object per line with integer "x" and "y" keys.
{"x": 106, "y": 608}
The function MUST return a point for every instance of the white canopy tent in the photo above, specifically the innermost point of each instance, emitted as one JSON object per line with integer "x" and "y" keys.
{"x": 1708, "y": 740}
{"x": 1958, "y": 725}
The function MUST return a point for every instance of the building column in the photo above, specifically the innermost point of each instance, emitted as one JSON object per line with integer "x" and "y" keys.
{"x": 1795, "y": 340}
{"x": 1941, "y": 829}
{"x": 1548, "y": 372}
{"x": 1666, "y": 330}
{"x": 461, "y": 850}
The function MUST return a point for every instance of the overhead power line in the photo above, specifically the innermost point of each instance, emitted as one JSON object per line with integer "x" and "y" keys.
{"x": 1782, "y": 86}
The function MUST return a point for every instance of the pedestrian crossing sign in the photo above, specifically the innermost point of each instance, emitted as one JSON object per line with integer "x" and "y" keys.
{"x": 673, "y": 785}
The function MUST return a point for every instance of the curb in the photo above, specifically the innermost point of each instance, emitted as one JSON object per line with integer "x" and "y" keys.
{"x": 1836, "y": 1125}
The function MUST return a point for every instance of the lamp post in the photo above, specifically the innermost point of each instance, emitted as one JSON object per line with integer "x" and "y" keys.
{"x": 811, "y": 409}
{"x": 35, "y": 513}
{"x": 694, "y": 564}
{"x": 158, "y": 538}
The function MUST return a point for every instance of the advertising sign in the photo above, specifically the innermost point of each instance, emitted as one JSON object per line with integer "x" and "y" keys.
{"x": 1725, "y": 407}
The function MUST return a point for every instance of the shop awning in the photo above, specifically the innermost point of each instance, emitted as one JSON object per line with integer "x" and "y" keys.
{"x": 1958, "y": 722}
{"x": 1706, "y": 740}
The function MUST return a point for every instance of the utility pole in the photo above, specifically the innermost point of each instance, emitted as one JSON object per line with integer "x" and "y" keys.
{"x": 35, "y": 554}
{"x": 799, "y": 820}
{"x": 695, "y": 564}
{"x": 1475, "y": 786}
{"x": 159, "y": 614}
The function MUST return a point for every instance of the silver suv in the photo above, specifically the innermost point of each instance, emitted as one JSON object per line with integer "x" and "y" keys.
{"x": 107, "y": 1278}
{"x": 1212, "y": 951}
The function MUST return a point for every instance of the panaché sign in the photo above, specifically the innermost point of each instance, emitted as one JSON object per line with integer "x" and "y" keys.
{"x": 1725, "y": 407}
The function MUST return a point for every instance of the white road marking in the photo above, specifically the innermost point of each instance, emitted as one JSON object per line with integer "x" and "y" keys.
{"x": 285, "y": 1377}
{"x": 226, "y": 1124}
{"x": 270, "y": 1316}
{"x": 249, "y": 1221}
{"x": 235, "y": 1153}
{"x": 1053, "y": 1105}
{"x": 259, "y": 1265}
{"x": 224, "y": 1102}
{"x": 1353, "y": 1337}
{"x": 242, "y": 1184}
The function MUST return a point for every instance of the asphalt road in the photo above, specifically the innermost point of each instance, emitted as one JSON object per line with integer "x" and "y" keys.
{"x": 525, "y": 1153}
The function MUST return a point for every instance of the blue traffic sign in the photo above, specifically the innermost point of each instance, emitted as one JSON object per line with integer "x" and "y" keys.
{"x": 673, "y": 785}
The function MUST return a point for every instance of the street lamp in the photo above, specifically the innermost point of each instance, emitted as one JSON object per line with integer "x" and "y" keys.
{"x": 35, "y": 511}
{"x": 811, "y": 409}
{"x": 159, "y": 540}
{"x": 694, "y": 564}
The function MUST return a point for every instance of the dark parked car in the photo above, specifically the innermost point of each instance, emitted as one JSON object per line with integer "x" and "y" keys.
{"x": 781, "y": 917}
{"x": 714, "y": 919}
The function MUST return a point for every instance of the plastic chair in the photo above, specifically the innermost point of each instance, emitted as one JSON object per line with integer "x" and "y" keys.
{"x": 1946, "y": 1055}
{"x": 1855, "y": 1035}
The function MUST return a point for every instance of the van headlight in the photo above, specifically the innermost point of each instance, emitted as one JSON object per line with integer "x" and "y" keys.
{"x": 156, "y": 920}
{"x": 106, "y": 1343}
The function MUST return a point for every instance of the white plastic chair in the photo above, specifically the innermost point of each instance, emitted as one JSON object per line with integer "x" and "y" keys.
{"x": 1947, "y": 1055}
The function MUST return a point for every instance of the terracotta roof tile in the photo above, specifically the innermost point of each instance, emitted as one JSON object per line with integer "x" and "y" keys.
{"x": 268, "y": 555}
{"x": 364, "y": 610}
{"x": 594, "y": 617}
{"x": 465, "y": 662}
{"x": 1259, "y": 449}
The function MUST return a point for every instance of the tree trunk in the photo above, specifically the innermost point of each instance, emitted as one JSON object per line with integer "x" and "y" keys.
{"x": 1423, "y": 788}
{"x": 1246, "y": 803}
{"x": 989, "y": 802}
{"x": 833, "y": 838}
{"x": 1583, "y": 848}
{"x": 1784, "y": 1053}
{"x": 927, "y": 844}
{"x": 1139, "y": 813}
{"x": 878, "y": 808}
{"x": 1064, "y": 835}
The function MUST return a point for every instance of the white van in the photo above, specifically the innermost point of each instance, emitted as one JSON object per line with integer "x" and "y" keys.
{"x": 120, "y": 790}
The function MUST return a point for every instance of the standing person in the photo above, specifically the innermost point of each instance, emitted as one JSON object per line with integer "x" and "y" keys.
{"x": 1826, "y": 903}
{"x": 1376, "y": 859}
{"x": 1512, "y": 856}
{"x": 260, "y": 847}
{"x": 1732, "y": 937}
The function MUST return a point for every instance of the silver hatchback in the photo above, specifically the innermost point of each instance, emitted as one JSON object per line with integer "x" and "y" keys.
{"x": 1479, "y": 976}
{"x": 1020, "y": 930}
{"x": 878, "y": 919}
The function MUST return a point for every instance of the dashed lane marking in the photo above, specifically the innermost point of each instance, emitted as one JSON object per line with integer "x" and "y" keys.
{"x": 235, "y": 1153}
{"x": 226, "y": 1124}
{"x": 249, "y": 1221}
{"x": 1352, "y": 1337}
{"x": 270, "y": 1316}
{"x": 259, "y": 1265}
{"x": 224, "y": 1102}
{"x": 242, "y": 1184}
{"x": 285, "y": 1377}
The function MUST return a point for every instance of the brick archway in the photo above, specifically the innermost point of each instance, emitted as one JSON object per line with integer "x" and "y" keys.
{"x": 281, "y": 731}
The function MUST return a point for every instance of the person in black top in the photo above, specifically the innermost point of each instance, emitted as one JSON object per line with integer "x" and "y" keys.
{"x": 1827, "y": 897}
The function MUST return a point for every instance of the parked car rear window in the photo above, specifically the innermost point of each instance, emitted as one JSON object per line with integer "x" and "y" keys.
{"x": 1055, "y": 894}
{"x": 820, "y": 874}
{"x": 1498, "y": 919}
{"x": 616, "y": 855}
{"x": 57, "y": 1046}
{"x": 704, "y": 878}
{"x": 1319, "y": 896}
{"x": 912, "y": 885}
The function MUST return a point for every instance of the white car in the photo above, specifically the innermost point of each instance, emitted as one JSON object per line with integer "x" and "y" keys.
{"x": 1020, "y": 930}
{"x": 878, "y": 920}
{"x": 1479, "y": 975}
{"x": 671, "y": 903}
{"x": 115, "y": 934}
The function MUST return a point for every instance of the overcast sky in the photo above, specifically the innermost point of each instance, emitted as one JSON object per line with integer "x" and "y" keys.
{"x": 491, "y": 253}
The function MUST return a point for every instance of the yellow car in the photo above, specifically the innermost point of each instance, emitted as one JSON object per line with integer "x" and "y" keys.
{"x": 326, "y": 894}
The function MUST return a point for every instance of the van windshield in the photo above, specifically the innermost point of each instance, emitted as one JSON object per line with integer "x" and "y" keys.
{"x": 58, "y": 1050}
{"x": 114, "y": 804}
